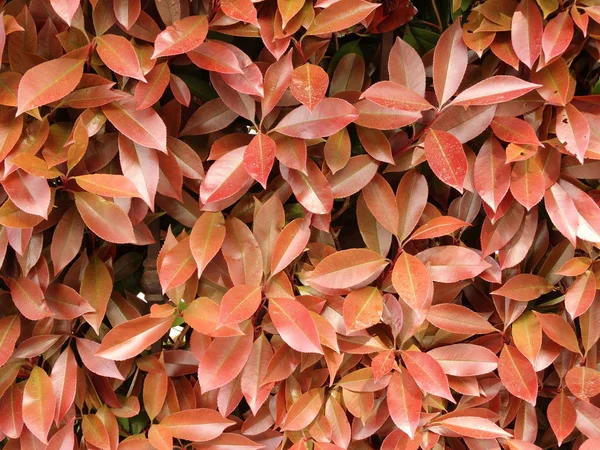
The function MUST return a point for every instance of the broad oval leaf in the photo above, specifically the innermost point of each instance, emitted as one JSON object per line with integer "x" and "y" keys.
{"x": 39, "y": 403}
{"x": 309, "y": 84}
{"x": 427, "y": 373}
{"x": 449, "y": 263}
{"x": 524, "y": 287}
{"x": 446, "y": 158}
{"x": 104, "y": 218}
{"x": 495, "y": 89}
{"x": 348, "y": 268}
{"x": 144, "y": 127}
{"x": 362, "y": 309}
{"x": 404, "y": 402}
{"x": 340, "y": 15}
{"x": 181, "y": 36}
{"x": 465, "y": 360}
{"x": 295, "y": 325}
{"x": 48, "y": 82}
{"x": 458, "y": 319}
{"x": 120, "y": 56}
{"x": 198, "y": 425}
{"x": 131, "y": 338}
{"x": 328, "y": 117}
{"x": 517, "y": 374}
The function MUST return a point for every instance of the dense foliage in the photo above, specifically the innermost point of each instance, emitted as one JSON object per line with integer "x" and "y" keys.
{"x": 298, "y": 224}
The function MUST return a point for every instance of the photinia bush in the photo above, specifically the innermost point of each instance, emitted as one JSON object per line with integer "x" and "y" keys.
{"x": 298, "y": 224}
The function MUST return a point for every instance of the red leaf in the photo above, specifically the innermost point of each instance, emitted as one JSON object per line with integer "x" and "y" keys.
{"x": 130, "y": 338}
{"x": 39, "y": 404}
{"x": 295, "y": 325}
{"x": 277, "y": 79}
{"x": 339, "y": 16}
{"x": 524, "y": 287}
{"x": 362, "y": 309}
{"x": 48, "y": 82}
{"x": 562, "y": 212}
{"x": 491, "y": 173}
{"x": 406, "y": 68}
{"x": 198, "y": 425}
{"x": 216, "y": 57}
{"x": 259, "y": 157}
{"x": 181, "y": 36}
{"x": 120, "y": 56}
{"x": 465, "y": 360}
{"x": 562, "y": 416}
{"x": 177, "y": 265}
{"x": 63, "y": 376}
{"x": 458, "y": 319}
{"x": 28, "y": 298}
{"x": 573, "y": 130}
{"x": 448, "y": 264}
{"x": 206, "y": 238}
{"x": 304, "y": 410}
{"x": 147, "y": 94}
{"x": 449, "y": 63}
{"x": 65, "y": 9}
{"x": 10, "y": 330}
{"x": 309, "y": 84}
{"x": 127, "y": 11}
{"x": 581, "y": 294}
{"x": 224, "y": 359}
{"x": 527, "y": 183}
{"x": 328, "y": 117}
{"x": 526, "y": 32}
{"x": 438, "y": 226}
{"x": 428, "y": 374}
{"x": 145, "y": 127}
{"x": 404, "y": 402}
{"x": 557, "y": 36}
{"x": 28, "y": 192}
{"x": 96, "y": 288}
{"x": 446, "y": 158}
{"x": 107, "y": 185}
{"x": 517, "y": 374}
{"x": 583, "y": 382}
{"x": 226, "y": 177}
{"x": 242, "y": 10}
{"x": 104, "y": 218}
{"x": 473, "y": 427}
{"x": 239, "y": 303}
{"x": 395, "y": 96}
{"x": 347, "y": 269}
{"x": 495, "y": 89}
{"x": 412, "y": 281}
{"x": 311, "y": 189}
{"x": 558, "y": 329}
{"x": 290, "y": 244}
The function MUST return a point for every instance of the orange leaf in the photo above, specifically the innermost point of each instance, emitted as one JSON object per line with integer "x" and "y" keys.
{"x": 458, "y": 319}
{"x": 517, "y": 374}
{"x": 304, "y": 410}
{"x": 524, "y": 287}
{"x": 404, "y": 402}
{"x": 39, "y": 404}
{"x": 198, "y": 425}
{"x": 120, "y": 56}
{"x": 295, "y": 325}
{"x": 362, "y": 309}
{"x": 48, "y": 82}
{"x": 182, "y": 36}
{"x": 130, "y": 338}
{"x": 239, "y": 303}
